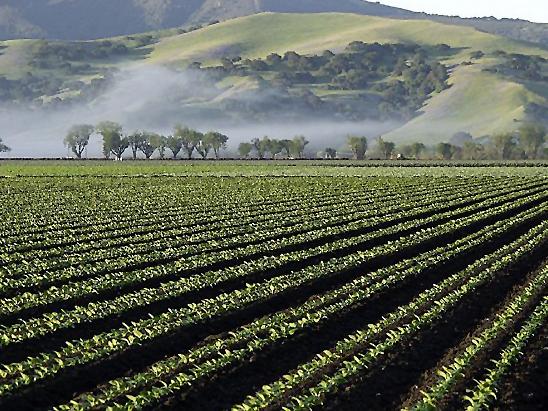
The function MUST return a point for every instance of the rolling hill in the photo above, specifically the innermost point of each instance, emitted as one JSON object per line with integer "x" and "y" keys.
{"x": 478, "y": 102}
{"x": 482, "y": 98}
{"x": 82, "y": 19}
{"x": 261, "y": 34}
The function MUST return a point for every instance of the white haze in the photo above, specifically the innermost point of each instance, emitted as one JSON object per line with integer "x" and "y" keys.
{"x": 154, "y": 98}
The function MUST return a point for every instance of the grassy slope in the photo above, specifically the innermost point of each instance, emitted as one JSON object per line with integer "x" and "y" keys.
{"x": 477, "y": 102}
{"x": 14, "y": 57}
{"x": 259, "y": 35}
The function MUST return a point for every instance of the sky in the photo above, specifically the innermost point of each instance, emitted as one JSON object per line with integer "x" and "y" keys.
{"x": 533, "y": 10}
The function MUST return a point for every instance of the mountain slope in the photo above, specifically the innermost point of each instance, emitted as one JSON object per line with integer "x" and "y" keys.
{"x": 82, "y": 19}
{"x": 479, "y": 101}
{"x": 262, "y": 34}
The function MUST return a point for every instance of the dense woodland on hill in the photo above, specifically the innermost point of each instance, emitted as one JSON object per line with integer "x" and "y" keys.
{"x": 388, "y": 81}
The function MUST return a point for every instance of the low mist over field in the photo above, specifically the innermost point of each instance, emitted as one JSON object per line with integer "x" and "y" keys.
{"x": 156, "y": 98}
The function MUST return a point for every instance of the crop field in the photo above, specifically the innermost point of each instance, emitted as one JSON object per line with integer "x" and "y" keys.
{"x": 273, "y": 286}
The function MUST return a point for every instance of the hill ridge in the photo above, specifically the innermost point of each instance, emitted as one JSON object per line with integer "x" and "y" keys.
{"x": 82, "y": 20}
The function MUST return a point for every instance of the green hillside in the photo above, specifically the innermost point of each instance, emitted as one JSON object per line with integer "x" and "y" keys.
{"x": 478, "y": 101}
{"x": 261, "y": 34}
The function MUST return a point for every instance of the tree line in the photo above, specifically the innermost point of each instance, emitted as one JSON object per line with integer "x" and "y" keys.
{"x": 527, "y": 142}
{"x": 116, "y": 142}
{"x": 271, "y": 147}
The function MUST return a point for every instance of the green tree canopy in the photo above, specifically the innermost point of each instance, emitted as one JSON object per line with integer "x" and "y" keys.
{"x": 218, "y": 142}
{"x": 175, "y": 144}
{"x": 135, "y": 141}
{"x": 189, "y": 138}
{"x": 244, "y": 149}
{"x": 385, "y": 148}
{"x": 149, "y": 143}
{"x": 205, "y": 145}
{"x": 286, "y": 146}
{"x": 275, "y": 147}
{"x": 159, "y": 142}
{"x": 112, "y": 136}
{"x": 77, "y": 138}
{"x": 472, "y": 150}
{"x": 262, "y": 146}
{"x": 417, "y": 149}
{"x": 531, "y": 139}
{"x": 503, "y": 144}
{"x": 298, "y": 145}
{"x": 358, "y": 145}
{"x": 445, "y": 150}
{"x": 331, "y": 153}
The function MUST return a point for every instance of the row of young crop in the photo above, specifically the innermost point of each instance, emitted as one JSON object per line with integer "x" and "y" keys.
{"x": 198, "y": 218}
{"x": 172, "y": 234}
{"x": 116, "y": 223}
{"x": 167, "y": 377}
{"x": 169, "y": 231}
{"x": 485, "y": 391}
{"x": 381, "y": 199}
{"x": 15, "y": 376}
{"x": 264, "y": 259}
{"x": 183, "y": 224}
{"x": 30, "y": 276}
{"x": 54, "y": 321}
{"x": 15, "y": 304}
{"x": 435, "y": 163}
{"x": 164, "y": 207}
{"x": 296, "y": 236}
{"x": 451, "y": 374}
{"x": 38, "y": 201}
{"x": 136, "y": 219}
{"x": 329, "y": 372}
{"x": 39, "y": 210}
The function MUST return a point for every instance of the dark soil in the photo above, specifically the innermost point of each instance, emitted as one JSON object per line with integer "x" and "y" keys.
{"x": 387, "y": 385}
{"x": 235, "y": 384}
{"x": 526, "y": 386}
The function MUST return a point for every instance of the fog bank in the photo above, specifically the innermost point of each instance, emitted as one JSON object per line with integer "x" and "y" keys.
{"x": 156, "y": 98}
